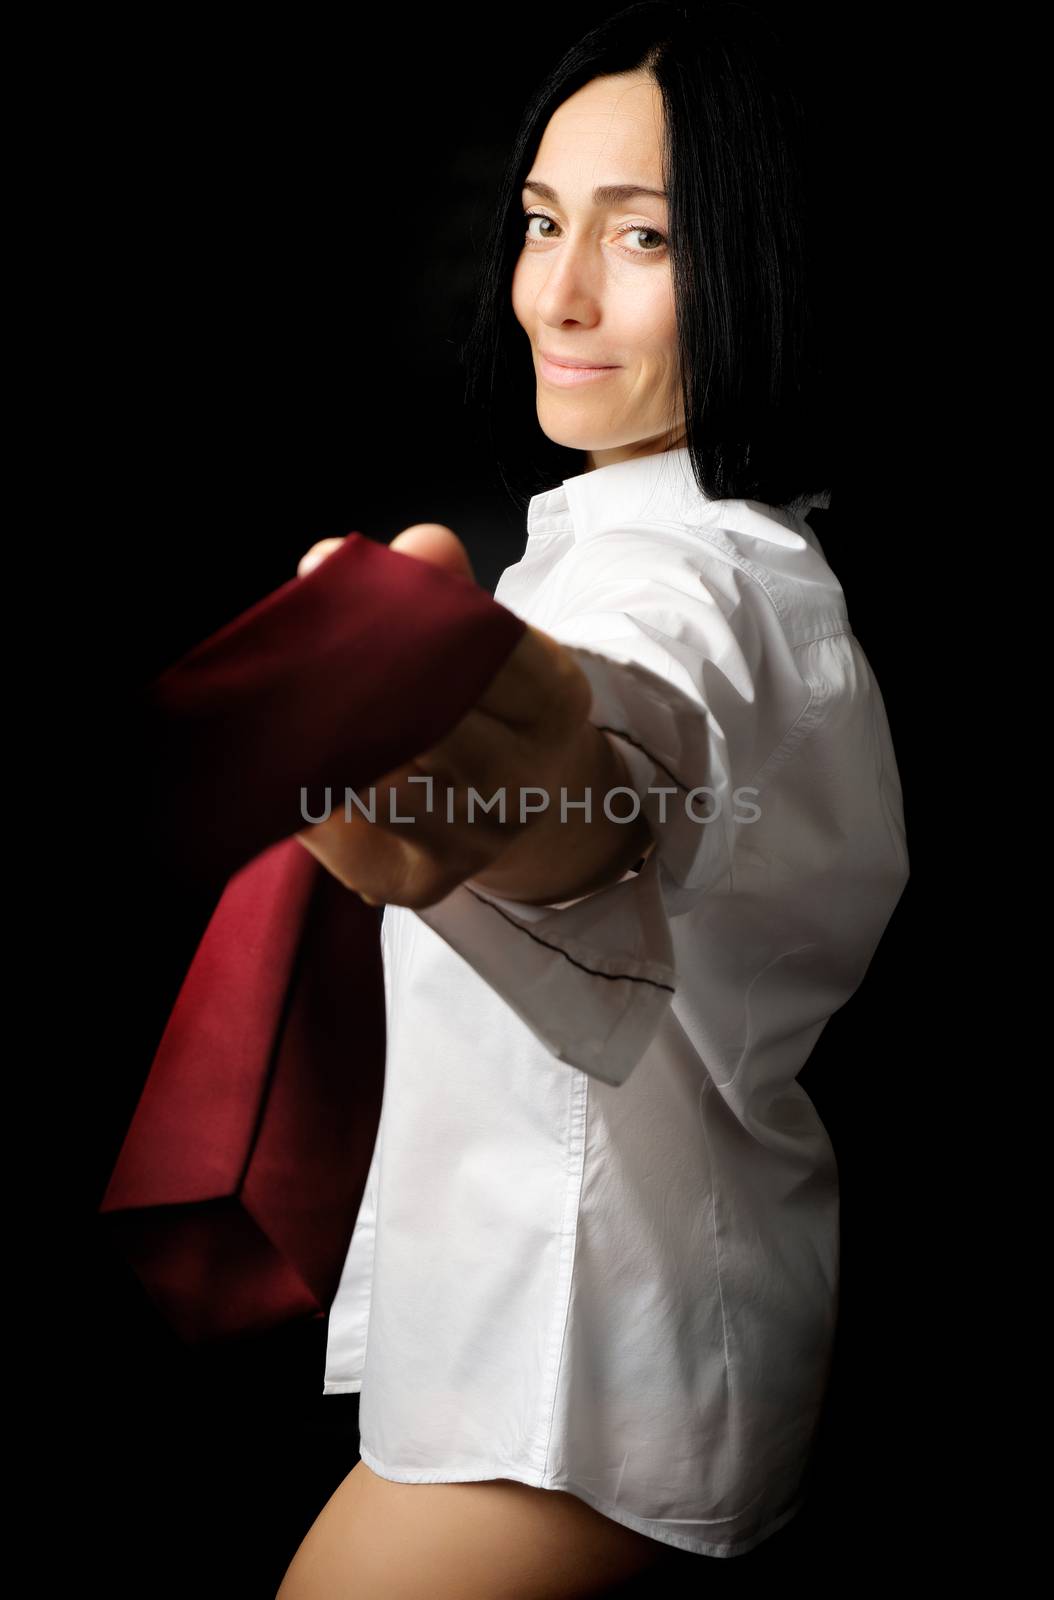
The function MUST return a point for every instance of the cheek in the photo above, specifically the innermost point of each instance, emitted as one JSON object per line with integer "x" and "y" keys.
{"x": 652, "y": 328}
{"x": 669, "y": 327}
{"x": 664, "y": 317}
{"x": 663, "y": 324}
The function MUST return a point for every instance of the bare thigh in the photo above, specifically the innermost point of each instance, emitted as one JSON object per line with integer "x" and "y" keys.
{"x": 495, "y": 1540}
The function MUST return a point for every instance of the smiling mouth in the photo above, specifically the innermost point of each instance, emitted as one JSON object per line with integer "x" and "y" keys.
{"x": 567, "y": 377}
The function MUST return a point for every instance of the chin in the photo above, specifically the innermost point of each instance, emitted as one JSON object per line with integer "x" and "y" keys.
{"x": 574, "y": 436}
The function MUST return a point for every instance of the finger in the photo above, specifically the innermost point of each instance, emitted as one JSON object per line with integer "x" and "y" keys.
{"x": 429, "y": 805}
{"x": 482, "y": 765}
{"x": 445, "y": 831}
{"x": 362, "y": 857}
{"x": 437, "y": 544}
{"x": 392, "y": 867}
{"x": 316, "y": 555}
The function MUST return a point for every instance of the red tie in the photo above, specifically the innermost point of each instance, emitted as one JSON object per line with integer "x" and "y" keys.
{"x": 238, "y": 1184}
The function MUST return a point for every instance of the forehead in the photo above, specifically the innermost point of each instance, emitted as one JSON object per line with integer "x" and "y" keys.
{"x": 609, "y": 131}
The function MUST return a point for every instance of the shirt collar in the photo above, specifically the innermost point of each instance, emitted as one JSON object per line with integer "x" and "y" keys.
{"x": 654, "y": 488}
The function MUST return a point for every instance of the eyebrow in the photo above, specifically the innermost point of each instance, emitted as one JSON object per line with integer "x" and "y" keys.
{"x": 608, "y": 194}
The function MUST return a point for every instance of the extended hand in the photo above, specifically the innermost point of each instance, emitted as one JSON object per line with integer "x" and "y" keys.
{"x": 528, "y": 729}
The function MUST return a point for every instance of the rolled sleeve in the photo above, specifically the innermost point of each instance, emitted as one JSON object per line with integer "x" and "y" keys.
{"x": 675, "y": 677}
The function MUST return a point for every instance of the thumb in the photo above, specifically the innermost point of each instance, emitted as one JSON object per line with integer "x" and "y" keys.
{"x": 431, "y": 541}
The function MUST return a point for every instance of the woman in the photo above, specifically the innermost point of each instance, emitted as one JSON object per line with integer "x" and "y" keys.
{"x": 591, "y": 1296}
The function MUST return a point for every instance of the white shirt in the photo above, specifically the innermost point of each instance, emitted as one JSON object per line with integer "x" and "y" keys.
{"x": 598, "y": 1246}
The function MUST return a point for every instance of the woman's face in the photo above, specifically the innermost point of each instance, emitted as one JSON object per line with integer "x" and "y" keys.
{"x": 593, "y": 282}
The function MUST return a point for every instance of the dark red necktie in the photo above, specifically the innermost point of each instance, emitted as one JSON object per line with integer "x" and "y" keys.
{"x": 236, "y": 1189}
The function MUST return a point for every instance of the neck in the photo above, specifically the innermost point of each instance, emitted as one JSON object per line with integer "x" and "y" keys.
{"x": 632, "y": 452}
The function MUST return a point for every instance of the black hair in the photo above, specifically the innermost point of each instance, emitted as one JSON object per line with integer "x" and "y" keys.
{"x": 755, "y": 375}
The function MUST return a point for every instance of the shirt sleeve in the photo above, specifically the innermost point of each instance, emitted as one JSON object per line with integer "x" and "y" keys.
{"x": 693, "y": 682}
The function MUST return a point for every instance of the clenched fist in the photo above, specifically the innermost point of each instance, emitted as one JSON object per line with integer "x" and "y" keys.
{"x": 528, "y": 731}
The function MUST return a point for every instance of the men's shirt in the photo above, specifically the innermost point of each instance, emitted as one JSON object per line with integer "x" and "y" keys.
{"x": 598, "y": 1246}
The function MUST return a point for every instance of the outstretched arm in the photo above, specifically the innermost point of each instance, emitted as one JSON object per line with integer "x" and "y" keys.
{"x": 527, "y": 740}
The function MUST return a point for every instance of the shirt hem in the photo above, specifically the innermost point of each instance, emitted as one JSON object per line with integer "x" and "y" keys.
{"x": 628, "y": 1519}
{"x": 342, "y": 1386}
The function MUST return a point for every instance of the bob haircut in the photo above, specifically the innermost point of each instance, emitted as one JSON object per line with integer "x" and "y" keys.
{"x": 744, "y": 262}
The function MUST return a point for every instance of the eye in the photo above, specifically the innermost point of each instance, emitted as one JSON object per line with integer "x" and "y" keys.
{"x": 640, "y": 227}
{"x": 630, "y": 228}
{"x": 537, "y": 216}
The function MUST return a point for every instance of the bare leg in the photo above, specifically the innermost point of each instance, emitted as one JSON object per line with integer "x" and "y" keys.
{"x": 495, "y": 1540}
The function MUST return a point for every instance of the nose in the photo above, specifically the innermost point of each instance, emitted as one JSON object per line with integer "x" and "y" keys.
{"x": 571, "y": 287}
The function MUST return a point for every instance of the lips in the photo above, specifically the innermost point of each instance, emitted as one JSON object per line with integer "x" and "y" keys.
{"x": 559, "y": 376}
{"x": 576, "y": 361}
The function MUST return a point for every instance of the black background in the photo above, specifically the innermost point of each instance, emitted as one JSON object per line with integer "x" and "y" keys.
{"x": 275, "y": 228}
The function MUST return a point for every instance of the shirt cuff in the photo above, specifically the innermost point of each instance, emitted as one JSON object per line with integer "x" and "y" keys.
{"x": 593, "y": 977}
